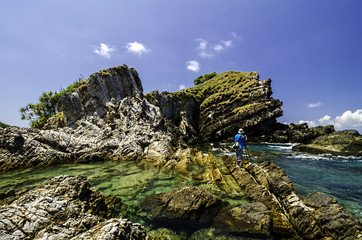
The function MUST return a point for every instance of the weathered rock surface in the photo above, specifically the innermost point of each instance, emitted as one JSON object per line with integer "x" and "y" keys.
{"x": 347, "y": 142}
{"x": 64, "y": 207}
{"x": 251, "y": 220}
{"x": 216, "y": 109}
{"x": 292, "y": 217}
{"x": 188, "y": 207}
{"x": 294, "y": 133}
{"x": 106, "y": 119}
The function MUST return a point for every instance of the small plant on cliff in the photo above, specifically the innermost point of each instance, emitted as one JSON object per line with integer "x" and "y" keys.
{"x": 202, "y": 79}
{"x": 47, "y": 106}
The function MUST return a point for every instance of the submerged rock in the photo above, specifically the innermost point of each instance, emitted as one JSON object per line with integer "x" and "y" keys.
{"x": 64, "y": 207}
{"x": 185, "y": 207}
{"x": 249, "y": 220}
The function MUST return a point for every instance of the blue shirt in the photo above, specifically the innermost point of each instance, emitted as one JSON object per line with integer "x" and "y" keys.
{"x": 241, "y": 139}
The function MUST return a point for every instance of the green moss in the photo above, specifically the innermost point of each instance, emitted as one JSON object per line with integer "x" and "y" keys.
{"x": 225, "y": 88}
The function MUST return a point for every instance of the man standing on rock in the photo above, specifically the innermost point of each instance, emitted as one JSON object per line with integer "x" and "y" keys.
{"x": 241, "y": 138}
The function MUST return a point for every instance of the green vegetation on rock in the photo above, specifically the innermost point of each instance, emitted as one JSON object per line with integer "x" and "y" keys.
{"x": 202, "y": 79}
{"x": 3, "y": 125}
{"x": 40, "y": 112}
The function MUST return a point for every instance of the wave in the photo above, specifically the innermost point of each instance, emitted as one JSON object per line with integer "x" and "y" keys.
{"x": 325, "y": 157}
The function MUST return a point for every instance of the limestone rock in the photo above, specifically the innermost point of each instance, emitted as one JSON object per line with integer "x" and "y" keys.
{"x": 63, "y": 207}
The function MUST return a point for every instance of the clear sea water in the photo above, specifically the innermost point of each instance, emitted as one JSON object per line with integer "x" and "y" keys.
{"x": 339, "y": 177}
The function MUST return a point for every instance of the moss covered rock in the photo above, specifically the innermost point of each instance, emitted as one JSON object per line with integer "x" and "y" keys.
{"x": 217, "y": 108}
{"x": 346, "y": 142}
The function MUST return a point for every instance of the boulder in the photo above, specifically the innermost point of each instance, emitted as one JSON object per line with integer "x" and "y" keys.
{"x": 185, "y": 207}
{"x": 334, "y": 220}
{"x": 251, "y": 220}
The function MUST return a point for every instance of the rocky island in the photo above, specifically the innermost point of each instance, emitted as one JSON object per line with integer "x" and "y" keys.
{"x": 109, "y": 118}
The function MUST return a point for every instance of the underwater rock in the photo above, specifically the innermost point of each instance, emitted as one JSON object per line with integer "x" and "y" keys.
{"x": 346, "y": 142}
{"x": 63, "y": 207}
{"x": 185, "y": 207}
{"x": 251, "y": 220}
{"x": 315, "y": 217}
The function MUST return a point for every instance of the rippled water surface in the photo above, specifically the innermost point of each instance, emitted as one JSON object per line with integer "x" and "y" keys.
{"x": 339, "y": 177}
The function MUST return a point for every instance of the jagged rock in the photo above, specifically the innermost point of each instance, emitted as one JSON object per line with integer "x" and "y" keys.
{"x": 106, "y": 118}
{"x": 216, "y": 109}
{"x": 183, "y": 207}
{"x": 336, "y": 221}
{"x": 63, "y": 207}
{"x": 293, "y": 133}
{"x": 347, "y": 142}
{"x": 316, "y": 217}
{"x": 249, "y": 220}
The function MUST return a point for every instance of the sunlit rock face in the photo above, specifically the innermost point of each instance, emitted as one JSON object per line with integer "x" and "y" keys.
{"x": 64, "y": 207}
{"x": 108, "y": 117}
{"x": 217, "y": 108}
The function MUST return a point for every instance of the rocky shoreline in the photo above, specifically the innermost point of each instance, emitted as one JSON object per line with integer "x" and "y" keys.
{"x": 110, "y": 119}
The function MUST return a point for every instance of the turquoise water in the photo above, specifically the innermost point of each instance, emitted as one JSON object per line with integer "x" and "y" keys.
{"x": 339, "y": 177}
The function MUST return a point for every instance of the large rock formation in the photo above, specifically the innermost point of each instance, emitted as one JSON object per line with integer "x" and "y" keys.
{"x": 216, "y": 109}
{"x": 64, "y": 208}
{"x": 107, "y": 117}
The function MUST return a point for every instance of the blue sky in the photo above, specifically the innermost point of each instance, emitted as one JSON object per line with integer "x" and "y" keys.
{"x": 310, "y": 49}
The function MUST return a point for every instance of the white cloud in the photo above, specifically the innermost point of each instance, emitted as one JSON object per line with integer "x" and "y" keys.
{"x": 182, "y": 87}
{"x": 218, "y": 47}
{"x": 203, "y": 48}
{"x": 310, "y": 123}
{"x": 137, "y": 48}
{"x": 348, "y": 120}
{"x": 208, "y": 52}
{"x": 313, "y": 105}
{"x": 326, "y": 120}
{"x": 227, "y": 43}
{"x": 193, "y": 65}
{"x": 104, "y": 50}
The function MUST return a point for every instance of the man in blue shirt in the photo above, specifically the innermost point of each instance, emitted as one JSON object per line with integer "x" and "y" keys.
{"x": 241, "y": 138}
